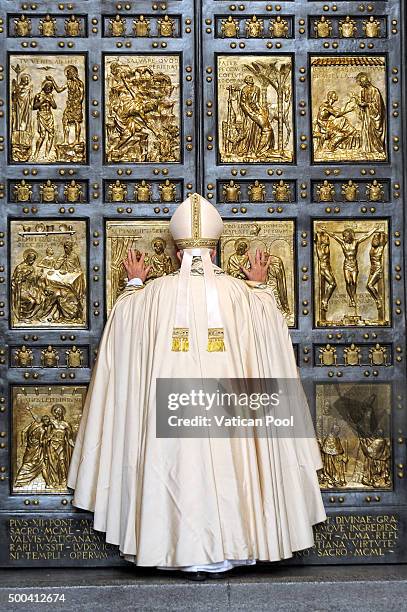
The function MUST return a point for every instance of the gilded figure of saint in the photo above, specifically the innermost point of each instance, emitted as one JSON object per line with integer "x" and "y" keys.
{"x": 239, "y": 259}
{"x": 59, "y": 443}
{"x": 54, "y": 289}
{"x": 45, "y": 126}
{"x": 22, "y": 128}
{"x": 373, "y": 115}
{"x": 26, "y": 287}
{"x": 332, "y": 129}
{"x": 73, "y": 112}
{"x": 49, "y": 260}
{"x": 376, "y": 452}
{"x": 349, "y": 109}
{"x": 376, "y": 273}
{"x": 66, "y": 300}
{"x": 350, "y": 246}
{"x": 259, "y": 135}
{"x": 69, "y": 261}
{"x": 327, "y": 277}
{"x": 334, "y": 459}
{"x": 160, "y": 262}
{"x": 277, "y": 281}
{"x": 34, "y": 440}
{"x": 45, "y": 104}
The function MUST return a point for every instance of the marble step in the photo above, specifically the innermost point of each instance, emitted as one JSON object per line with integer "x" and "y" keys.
{"x": 368, "y": 588}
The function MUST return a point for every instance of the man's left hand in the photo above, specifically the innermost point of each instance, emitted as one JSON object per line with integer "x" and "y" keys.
{"x": 136, "y": 268}
{"x": 259, "y": 265}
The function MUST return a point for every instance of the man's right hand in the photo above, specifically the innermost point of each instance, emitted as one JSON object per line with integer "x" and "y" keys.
{"x": 136, "y": 268}
{"x": 259, "y": 265}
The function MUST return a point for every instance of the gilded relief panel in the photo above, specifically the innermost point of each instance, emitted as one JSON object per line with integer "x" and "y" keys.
{"x": 47, "y": 26}
{"x": 49, "y": 356}
{"x": 353, "y": 355}
{"x": 45, "y": 423}
{"x": 149, "y": 237}
{"x": 352, "y": 190}
{"x": 353, "y": 430}
{"x": 142, "y": 108}
{"x": 266, "y": 191}
{"x": 276, "y": 238}
{"x": 142, "y": 26}
{"x": 48, "y": 273}
{"x": 349, "y": 108}
{"x": 266, "y": 97}
{"x": 351, "y": 273}
{"x": 348, "y": 26}
{"x": 48, "y": 191}
{"x": 254, "y": 26}
{"x": 255, "y": 122}
{"x": 164, "y": 192}
{"x": 47, "y": 119}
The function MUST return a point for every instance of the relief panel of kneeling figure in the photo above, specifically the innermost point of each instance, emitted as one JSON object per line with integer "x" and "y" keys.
{"x": 349, "y": 115}
{"x": 255, "y": 123}
{"x": 48, "y": 273}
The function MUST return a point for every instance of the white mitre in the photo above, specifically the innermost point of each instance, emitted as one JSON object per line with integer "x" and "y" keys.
{"x": 196, "y": 227}
{"x": 196, "y": 224}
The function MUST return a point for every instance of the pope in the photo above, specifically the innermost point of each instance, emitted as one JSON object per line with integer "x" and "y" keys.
{"x": 198, "y": 504}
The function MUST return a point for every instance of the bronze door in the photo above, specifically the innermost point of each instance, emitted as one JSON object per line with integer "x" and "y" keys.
{"x": 288, "y": 117}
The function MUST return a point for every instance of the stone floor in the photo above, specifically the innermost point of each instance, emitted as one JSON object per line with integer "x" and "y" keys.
{"x": 371, "y": 588}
